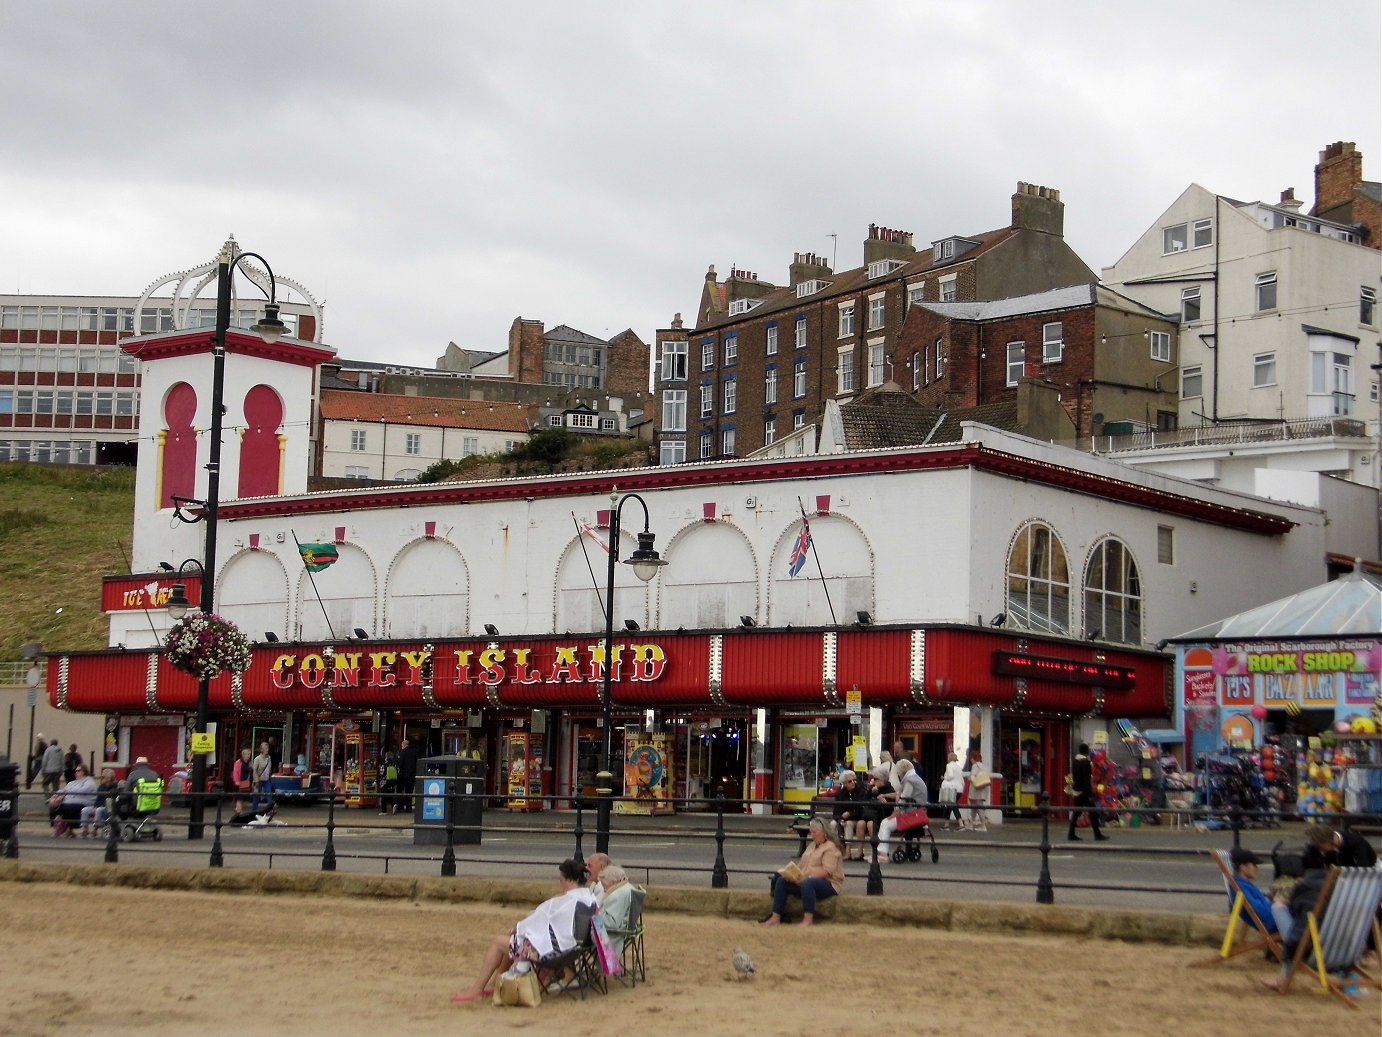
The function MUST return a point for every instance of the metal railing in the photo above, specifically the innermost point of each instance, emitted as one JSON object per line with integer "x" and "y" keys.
{"x": 1231, "y": 434}
{"x": 574, "y": 825}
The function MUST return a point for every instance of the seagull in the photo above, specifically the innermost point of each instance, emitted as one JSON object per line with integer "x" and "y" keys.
{"x": 743, "y": 964}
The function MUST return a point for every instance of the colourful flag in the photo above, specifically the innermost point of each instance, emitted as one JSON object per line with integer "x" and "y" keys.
{"x": 317, "y": 557}
{"x": 800, "y": 549}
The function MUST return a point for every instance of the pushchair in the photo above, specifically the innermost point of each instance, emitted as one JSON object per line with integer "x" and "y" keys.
{"x": 136, "y": 811}
{"x": 913, "y": 826}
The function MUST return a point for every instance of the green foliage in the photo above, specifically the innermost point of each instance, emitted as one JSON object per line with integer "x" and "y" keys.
{"x": 61, "y": 530}
{"x": 439, "y": 470}
{"x": 546, "y": 447}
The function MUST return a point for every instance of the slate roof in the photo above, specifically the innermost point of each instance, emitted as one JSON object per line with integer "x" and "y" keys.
{"x": 847, "y": 282}
{"x": 565, "y": 333}
{"x": 428, "y": 411}
{"x": 1348, "y": 606}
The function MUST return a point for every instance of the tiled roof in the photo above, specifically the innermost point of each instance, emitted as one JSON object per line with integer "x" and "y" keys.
{"x": 848, "y": 282}
{"x": 886, "y": 417}
{"x": 889, "y": 417}
{"x": 428, "y": 411}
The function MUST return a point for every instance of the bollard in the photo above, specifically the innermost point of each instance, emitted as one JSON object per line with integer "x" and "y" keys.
{"x": 579, "y": 802}
{"x": 604, "y": 804}
{"x": 1046, "y": 893}
{"x": 9, "y": 806}
{"x": 1235, "y": 820}
{"x": 874, "y": 888}
{"x": 448, "y": 857}
{"x": 218, "y": 858}
{"x": 113, "y": 831}
{"x": 329, "y": 854}
{"x": 719, "y": 877}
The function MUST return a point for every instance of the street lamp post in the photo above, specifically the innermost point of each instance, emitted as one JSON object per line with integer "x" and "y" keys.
{"x": 645, "y": 563}
{"x": 271, "y": 328}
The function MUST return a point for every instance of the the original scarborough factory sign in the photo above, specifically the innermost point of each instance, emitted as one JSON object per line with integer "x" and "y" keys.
{"x": 1274, "y": 674}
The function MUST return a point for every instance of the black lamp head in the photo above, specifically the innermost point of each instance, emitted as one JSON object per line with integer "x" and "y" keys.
{"x": 270, "y": 636}
{"x": 747, "y": 621}
{"x": 998, "y": 620}
{"x": 865, "y": 618}
{"x": 630, "y": 624}
{"x": 492, "y": 630}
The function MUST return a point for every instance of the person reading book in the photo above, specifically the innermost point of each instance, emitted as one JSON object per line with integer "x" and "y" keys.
{"x": 818, "y": 875}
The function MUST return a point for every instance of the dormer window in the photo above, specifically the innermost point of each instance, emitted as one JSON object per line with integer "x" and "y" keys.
{"x": 811, "y": 287}
{"x": 740, "y": 306}
{"x": 884, "y": 267}
{"x": 943, "y": 250}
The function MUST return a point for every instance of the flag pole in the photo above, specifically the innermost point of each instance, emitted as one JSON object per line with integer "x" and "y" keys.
{"x": 580, "y": 535}
{"x": 824, "y": 586}
{"x": 329, "y": 629}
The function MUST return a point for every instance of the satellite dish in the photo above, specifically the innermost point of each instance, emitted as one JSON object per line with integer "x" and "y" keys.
{"x": 1098, "y": 418}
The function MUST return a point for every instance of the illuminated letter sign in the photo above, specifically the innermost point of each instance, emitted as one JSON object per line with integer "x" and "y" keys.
{"x": 1069, "y": 671}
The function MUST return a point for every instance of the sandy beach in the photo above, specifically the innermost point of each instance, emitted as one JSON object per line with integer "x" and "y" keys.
{"x": 84, "y": 960}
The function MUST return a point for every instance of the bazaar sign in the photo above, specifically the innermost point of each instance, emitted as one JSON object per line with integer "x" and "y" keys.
{"x": 1309, "y": 674}
{"x": 489, "y": 667}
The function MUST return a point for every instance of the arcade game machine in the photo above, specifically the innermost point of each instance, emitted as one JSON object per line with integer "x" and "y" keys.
{"x": 361, "y": 769}
{"x": 522, "y": 753}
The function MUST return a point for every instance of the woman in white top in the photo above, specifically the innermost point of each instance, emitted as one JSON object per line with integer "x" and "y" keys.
{"x": 547, "y": 930}
{"x": 979, "y": 782}
{"x": 952, "y": 784}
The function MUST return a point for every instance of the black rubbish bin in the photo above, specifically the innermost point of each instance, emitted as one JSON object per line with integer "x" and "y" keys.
{"x": 448, "y": 783}
{"x": 9, "y": 800}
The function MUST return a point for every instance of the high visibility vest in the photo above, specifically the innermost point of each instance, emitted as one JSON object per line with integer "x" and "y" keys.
{"x": 148, "y": 795}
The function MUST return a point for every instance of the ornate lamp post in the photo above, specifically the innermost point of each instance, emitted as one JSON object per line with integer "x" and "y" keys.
{"x": 645, "y": 562}
{"x": 270, "y": 328}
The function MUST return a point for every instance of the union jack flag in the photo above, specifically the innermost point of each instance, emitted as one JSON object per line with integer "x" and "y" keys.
{"x": 800, "y": 549}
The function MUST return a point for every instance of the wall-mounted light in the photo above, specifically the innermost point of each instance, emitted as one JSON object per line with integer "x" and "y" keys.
{"x": 865, "y": 620}
{"x": 270, "y": 636}
{"x": 630, "y": 624}
{"x": 362, "y": 633}
{"x": 998, "y": 620}
{"x": 747, "y": 622}
{"x": 492, "y": 630}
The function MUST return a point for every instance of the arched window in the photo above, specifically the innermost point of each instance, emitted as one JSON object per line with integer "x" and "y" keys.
{"x": 1038, "y": 581}
{"x": 1112, "y": 595}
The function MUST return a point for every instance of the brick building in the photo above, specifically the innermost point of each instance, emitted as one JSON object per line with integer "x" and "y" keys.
{"x": 1343, "y": 196}
{"x": 763, "y": 359}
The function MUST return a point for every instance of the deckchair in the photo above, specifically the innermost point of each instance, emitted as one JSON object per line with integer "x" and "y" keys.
{"x": 577, "y": 970}
{"x": 1337, "y": 933}
{"x": 634, "y": 971}
{"x": 1241, "y": 916}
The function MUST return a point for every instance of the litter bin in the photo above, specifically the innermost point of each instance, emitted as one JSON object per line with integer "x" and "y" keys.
{"x": 454, "y": 783}
{"x": 9, "y": 799}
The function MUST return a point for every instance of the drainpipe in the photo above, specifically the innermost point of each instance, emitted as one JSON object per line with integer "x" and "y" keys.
{"x": 1218, "y": 235}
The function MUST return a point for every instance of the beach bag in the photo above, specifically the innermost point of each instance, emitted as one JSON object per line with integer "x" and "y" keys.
{"x": 518, "y": 991}
{"x": 948, "y": 794}
{"x": 907, "y": 820}
{"x": 604, "y": 947}
{"x": 980, "y": 780}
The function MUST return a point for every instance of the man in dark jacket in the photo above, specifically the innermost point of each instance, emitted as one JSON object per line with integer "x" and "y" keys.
{"x": 1082, "y": 779}
{"x": 407, "y": 773}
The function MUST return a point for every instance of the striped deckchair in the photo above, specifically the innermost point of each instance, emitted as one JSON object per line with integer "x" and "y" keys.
{"x": 1241, "y": 918}
{"x": 1337, "y": 933}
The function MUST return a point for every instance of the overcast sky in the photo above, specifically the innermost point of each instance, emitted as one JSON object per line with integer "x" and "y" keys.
{"x": 432, "y": 171}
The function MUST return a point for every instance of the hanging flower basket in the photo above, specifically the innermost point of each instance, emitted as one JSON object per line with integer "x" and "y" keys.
{"x": 204, "y": 644}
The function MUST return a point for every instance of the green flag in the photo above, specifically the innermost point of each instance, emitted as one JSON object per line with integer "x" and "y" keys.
{"x": 317, "y": 557}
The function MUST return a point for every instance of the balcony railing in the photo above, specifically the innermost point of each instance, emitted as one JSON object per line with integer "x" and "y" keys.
{"x": 1226, "y": 434}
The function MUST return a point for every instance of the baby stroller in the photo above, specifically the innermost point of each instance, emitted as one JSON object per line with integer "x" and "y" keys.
{"x": 138, "y": 809}
{"x": 913, "y": 826}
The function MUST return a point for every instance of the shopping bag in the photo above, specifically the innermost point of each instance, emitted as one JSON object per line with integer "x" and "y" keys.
{"x": 914, "y": 818}
{"x": 518, "y": 990}
{"x": 604, "y": 947}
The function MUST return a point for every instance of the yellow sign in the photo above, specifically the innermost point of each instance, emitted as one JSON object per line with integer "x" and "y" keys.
{"x": 1101, "y": 738}
{"x": 854, "y": 702}
{"x": 203, "y": 742}
{"x": 859, "y": 752}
